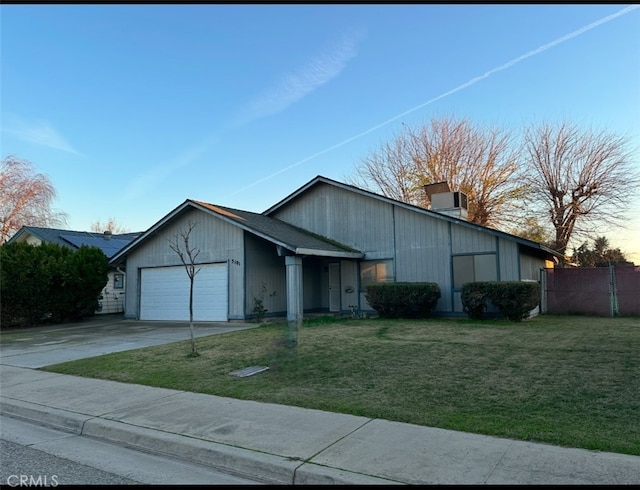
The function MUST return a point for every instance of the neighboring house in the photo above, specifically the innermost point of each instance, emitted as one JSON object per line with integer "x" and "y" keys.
{"x": 112, "y": 296}
{"x": 316, "y": 251}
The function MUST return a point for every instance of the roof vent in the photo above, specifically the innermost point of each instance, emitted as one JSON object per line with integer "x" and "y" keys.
{"x": 107, "y": 234}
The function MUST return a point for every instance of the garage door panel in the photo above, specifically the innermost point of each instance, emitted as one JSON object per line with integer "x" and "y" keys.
{"x": 165, "y": 293}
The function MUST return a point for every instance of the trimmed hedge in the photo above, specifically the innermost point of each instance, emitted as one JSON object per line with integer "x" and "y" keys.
{"x": 403, "y": 299}
{"x": 49, "y": 281}
{"x": 514, "y": 299}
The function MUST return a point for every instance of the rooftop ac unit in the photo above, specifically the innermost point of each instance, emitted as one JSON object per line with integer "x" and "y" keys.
{"x": 449, "y": 200}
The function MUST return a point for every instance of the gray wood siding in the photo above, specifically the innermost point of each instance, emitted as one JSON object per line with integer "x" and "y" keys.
{"x": 349, "y": 280}
{"x": 508, "y": 260}
{"x": 530, "y": 267}
{"x": 420, "y": 245}
{"x": 263, "y": 267}
{"x": 423, "y": 252}
{"x": 357, "y": 221}
{"x": 217, "y": 241}
{"x": 468, "y": 240}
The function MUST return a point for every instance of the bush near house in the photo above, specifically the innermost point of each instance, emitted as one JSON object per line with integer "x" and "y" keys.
{"x": 514, "y": 299}
{"x": 403, "y": 299}
{"x": 49, "y": 282}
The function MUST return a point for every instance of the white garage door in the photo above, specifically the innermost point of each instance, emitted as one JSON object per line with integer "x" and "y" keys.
{"x": 164, "y": 293}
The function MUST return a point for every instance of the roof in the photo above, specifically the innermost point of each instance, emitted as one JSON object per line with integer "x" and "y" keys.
{"x": 282, "y": 234}
{"x": 534, "y": 246}
{"x": 109, "y": 244}
{"x": 304, "y": 242}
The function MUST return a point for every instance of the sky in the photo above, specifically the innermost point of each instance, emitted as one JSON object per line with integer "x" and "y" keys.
{"x": 129, "y": 110}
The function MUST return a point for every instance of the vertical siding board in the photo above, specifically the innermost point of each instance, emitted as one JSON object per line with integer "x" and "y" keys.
{"x": 508, "y": 260}
{"x": 356, "y": 221}
{"x": 530, "y": 267}
{"x": 349, "y": 294}
{"x": 263, "y": 266}
{"x": 468, "y": 240}
{"x": 423, "y": 252}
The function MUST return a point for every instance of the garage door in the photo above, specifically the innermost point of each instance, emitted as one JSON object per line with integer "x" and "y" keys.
{"x": 164, "y": 293}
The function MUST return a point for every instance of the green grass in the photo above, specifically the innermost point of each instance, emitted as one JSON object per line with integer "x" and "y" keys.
{"x": 565, "y": 380}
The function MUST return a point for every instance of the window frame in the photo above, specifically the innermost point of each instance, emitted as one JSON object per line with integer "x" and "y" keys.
{"x": 118, "y": 284}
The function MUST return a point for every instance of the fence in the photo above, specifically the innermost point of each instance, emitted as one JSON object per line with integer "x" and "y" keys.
{"x": 599, "y": 291}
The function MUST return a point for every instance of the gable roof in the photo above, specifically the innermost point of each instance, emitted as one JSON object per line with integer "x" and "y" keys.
{"x": 319, "y": 180}
{"x": 284, "y": 235}
{"x": 109, "y": 244}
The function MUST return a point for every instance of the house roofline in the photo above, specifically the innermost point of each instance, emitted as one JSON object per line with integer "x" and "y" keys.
{"x": 452, "y": 219}
{"x": 117, "y": 258}
{"x": 220, "y": 214}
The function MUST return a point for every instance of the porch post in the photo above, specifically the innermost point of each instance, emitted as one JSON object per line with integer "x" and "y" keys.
{"x": 294, "y": 297}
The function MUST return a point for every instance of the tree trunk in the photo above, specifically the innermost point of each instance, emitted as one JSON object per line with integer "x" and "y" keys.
{"x": 193, "y": 340}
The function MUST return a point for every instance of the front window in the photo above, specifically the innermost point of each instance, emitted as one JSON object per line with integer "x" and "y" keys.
{"x": 375, "y": 272}
{"x": 474, "y": 268}
{"x": 118, "y": 281}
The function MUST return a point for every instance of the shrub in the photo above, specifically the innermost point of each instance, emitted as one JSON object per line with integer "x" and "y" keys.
{"x": 474, "y": 299}
{"x": 50, "y": 281}
{"x": 403, "y": 299}
{"x": 514, "y": 299}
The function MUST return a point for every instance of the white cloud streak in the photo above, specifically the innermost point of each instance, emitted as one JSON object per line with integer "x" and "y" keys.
{"x": 145, "y": 182}
{"x": 468, "y": 84}
{"x": 39, "y": 133}
{"x": 297, "y": 85}
{"x": 290, "y": 90}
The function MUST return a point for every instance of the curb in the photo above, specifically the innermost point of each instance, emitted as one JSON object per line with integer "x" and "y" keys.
{"x": 254, "y": 465}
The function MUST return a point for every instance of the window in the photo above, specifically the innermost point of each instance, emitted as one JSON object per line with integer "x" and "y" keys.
{"x": 375, "y": 271}
{"x": 118, "y": 281}
{"x": 474, "y": 268}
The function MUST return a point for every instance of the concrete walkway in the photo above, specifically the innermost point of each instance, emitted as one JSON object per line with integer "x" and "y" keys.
{"x": 289, "y": 445}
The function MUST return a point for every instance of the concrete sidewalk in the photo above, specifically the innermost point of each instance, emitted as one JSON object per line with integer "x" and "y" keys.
{"x": 279, "y": 444}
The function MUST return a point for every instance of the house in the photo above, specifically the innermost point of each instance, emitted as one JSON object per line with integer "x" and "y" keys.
{"x": 112, "y": 296}
{"x": 315, "y": 251}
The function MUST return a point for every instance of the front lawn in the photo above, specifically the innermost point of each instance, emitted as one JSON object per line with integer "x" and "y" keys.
{"x": 565, "y": 380}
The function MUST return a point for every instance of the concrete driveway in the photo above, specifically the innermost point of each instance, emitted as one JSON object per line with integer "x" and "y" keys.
{"x": 45, "y": 345}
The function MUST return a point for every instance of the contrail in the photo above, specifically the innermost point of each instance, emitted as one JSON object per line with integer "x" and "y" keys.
{"x": 471, "y": 82}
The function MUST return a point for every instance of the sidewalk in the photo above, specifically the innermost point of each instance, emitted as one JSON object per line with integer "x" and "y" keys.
{"x": 289, "y": 445}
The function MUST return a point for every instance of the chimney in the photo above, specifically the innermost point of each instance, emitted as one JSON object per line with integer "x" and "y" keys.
{"x": 107, "y": 234}
{"x": 444, "y": 201}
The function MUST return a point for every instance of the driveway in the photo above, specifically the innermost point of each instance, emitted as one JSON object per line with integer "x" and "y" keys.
{"x": 102, "y": 334}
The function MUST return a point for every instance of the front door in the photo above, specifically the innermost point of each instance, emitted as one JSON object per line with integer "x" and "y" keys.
{"x": 334, "y": 286}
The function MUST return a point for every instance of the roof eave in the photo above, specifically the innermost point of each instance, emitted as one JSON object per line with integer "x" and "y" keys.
{"x": 329, "y": 253}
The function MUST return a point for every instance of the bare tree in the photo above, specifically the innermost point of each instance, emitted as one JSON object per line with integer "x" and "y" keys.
{"x": 581, "y": 179}
{"x": 25, "y": 198}
{"x": 479, "y": 162}
{"x": 390, "y": 170}
{"x": 529, "y": 227}
{"x": 188, "y": 258}
{"x": 111, "y": 225}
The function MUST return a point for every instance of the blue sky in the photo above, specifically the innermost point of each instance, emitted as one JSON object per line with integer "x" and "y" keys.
{"x": 131, "y": 109}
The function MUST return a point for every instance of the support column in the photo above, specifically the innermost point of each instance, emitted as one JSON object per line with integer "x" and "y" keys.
{"x": 294, "y": 297}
